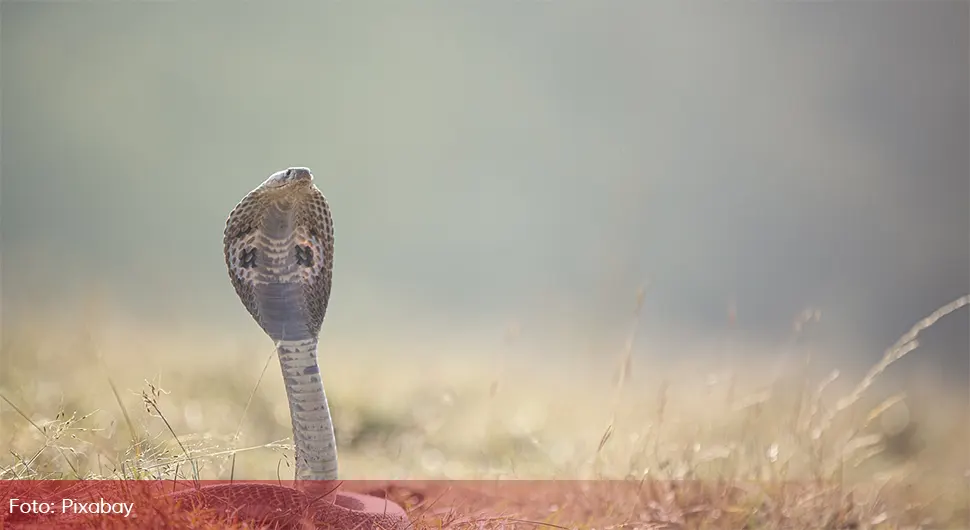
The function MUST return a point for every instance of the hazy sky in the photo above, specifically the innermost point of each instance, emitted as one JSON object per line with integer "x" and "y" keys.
{"x": 502, "y": 160}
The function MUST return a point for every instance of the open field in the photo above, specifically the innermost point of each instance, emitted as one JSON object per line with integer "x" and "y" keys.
{"x": 728, "y": 449}
{"x": 502, "y": 176}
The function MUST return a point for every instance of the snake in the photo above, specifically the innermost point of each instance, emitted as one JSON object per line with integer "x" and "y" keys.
{"x": 278, "y": 245}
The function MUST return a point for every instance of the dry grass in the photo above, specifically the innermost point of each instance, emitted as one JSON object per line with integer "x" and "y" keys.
{"x": 686, "y": 450}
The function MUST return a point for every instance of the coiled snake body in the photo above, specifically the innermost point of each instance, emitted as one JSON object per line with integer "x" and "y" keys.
{"x": 279, "y": 252}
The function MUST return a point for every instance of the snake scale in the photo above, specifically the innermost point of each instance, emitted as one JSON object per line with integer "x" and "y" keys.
{"x": 278, "y": 244}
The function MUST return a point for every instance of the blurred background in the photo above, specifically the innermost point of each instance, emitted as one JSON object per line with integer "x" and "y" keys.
{"x": 503, "y": 176}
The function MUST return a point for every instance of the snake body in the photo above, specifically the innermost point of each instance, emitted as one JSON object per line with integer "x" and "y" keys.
{"x": 278, "y": 244}
{"x": 279, "y": 251}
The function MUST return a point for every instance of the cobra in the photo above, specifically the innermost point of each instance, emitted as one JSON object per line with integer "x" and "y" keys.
{"x": 278, "y": 245}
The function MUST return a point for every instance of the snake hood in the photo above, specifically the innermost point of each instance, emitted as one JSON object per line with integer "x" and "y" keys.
{"x": 279, "y": 251}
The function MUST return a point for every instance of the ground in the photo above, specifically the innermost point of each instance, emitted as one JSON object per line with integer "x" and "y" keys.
{"x": 683, "y": 446}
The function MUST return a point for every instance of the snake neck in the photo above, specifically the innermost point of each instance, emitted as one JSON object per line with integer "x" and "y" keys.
{"x": 313, "y": 436}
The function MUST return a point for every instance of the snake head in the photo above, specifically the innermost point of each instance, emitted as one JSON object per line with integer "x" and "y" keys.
{"x": 290, "y": 178}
